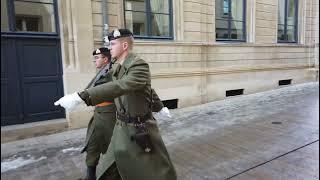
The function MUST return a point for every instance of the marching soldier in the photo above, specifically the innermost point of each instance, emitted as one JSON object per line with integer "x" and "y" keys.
{"x": 136, "y": 150}
{"x": 101, "y": 125}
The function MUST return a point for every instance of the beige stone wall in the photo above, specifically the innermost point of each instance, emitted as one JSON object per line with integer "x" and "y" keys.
{"x": 114, "y": 21}
{"x": 198, "y": 21}
{"x": 312, "y": 30}
{"x": 114, "y": 8}
{"x": 76, "y": 30}
{"x": 193, "y": 67}
{"x": 266, "y": 21}
{"x": 186, "y": 71}
{"x": 312, "y": 22}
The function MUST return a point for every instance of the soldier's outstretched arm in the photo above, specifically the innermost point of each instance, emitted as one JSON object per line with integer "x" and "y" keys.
{"x": 70, "y": 101}
{"x": 137, "y": 76}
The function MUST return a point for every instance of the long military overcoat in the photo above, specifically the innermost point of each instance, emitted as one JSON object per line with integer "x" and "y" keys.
{"x": 132, "y": 86}
{"x": 100, "y": 127}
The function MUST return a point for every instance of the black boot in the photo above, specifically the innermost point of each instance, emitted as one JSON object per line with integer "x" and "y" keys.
{"x": 91, "y": 173}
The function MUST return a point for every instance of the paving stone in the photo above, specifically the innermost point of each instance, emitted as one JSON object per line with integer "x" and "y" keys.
{"x": 229, "y": 139}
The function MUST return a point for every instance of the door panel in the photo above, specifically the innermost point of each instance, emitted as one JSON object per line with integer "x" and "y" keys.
{"x": 41, "y": 78}
{"x": 38, "y": 100}
{"x": 31, "y": 70}
{"x": 28, "y": 93}
{"x": 39, "y": 58}
{"x": 11, "y": 112}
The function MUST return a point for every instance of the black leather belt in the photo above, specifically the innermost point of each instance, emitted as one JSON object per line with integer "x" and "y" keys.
{"x": 129, "y": 119}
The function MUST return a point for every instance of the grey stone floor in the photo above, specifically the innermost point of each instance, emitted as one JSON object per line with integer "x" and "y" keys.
{"x": 234, "y": 133}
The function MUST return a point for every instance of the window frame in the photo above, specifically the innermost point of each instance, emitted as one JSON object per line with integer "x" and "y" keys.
{"x": 148, "y": 13}
{"x": 296, "y": 6}
{"x": 12, "y": 22}
{"x": 244, "y": 24}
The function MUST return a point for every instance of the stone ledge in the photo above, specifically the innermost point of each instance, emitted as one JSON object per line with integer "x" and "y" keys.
{"x": 23, "y": 131}
{"x": 183, "y": 72}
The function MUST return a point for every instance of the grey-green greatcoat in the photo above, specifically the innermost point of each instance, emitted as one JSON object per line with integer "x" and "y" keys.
{"x": 100, "y": 127}
{"x": 132, "y": 86}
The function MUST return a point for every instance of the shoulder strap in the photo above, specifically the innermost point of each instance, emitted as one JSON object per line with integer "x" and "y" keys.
{"x": 122, "y": 109}
{"x": 118, "y": 99}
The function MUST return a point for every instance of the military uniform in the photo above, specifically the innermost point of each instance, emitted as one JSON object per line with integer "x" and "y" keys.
{"x": 132, "y": 159}
{"x": 101, "y": 125}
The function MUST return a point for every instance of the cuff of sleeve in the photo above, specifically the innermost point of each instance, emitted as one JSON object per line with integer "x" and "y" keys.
{"x": 84, "y": 95}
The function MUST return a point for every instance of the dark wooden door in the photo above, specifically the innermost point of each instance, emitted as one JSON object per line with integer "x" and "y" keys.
{"x": 11, "y": 112}
{"x": 31, "y": 70}
{"x": 31, "y": 79}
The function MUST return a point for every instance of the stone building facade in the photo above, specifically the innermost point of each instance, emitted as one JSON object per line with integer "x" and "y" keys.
{"x": 194, "y": 67}
{"x": 198, "y": 50}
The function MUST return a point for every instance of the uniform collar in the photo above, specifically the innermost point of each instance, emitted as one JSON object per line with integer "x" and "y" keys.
{"x": 117, "y": 69}
{"x": 128, "y": 60}
{"x": 125, "y": 65}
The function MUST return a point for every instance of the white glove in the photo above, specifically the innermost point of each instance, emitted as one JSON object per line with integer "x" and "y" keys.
{"x": 70, "y": 101}
{"x": 163, "y": 113}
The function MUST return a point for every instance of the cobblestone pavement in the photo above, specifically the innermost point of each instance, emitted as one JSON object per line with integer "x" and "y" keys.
{"x": 241, "y": 137}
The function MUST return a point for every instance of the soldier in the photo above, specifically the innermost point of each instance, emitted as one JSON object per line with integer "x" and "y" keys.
{"x": 101, "y": 125}
{"x": 136, "y": 151}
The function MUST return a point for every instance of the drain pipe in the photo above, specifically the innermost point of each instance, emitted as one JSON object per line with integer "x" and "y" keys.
{"x": 105, "y": 26}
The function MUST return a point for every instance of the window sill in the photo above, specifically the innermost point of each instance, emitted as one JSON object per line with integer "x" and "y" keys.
{"x": 211, "y": 43}
{"x": 231, "y": 42}
{"x": 289, "y": 44}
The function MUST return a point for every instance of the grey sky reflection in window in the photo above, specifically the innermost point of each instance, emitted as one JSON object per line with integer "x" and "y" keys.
{"x": 34, "y": 15}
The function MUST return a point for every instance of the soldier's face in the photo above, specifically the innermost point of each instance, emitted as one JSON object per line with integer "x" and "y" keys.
{"x": 117, "y": 48}
{"x": 100, "y": 60}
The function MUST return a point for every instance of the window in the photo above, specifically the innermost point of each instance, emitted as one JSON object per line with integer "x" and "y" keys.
{"x": 149, "y": 18}
{"x": 34, "y": 15}
{"x": 225, "y": 7}
{"x": 230, "y": 20}
{"x": 287, "y": 20}
{"x": 28, "y": 16}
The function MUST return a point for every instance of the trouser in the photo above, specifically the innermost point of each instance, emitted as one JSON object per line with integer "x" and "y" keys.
{"x": 111, "y": 174}
{"x": 100, "y": 138}
{"x": 93, "y": 152}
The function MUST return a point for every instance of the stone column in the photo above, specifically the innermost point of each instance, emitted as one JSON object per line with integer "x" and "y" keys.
{"x": 76, "y": 32}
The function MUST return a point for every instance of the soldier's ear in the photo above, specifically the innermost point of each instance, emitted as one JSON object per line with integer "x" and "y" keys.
{"x": 125, "y": 45}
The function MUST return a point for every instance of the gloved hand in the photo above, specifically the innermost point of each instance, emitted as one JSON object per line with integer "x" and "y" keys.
{"x": 69, "y": 101}
{"x": 163, "y": 113}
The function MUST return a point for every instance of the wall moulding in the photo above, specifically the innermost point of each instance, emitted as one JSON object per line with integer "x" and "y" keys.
{"x": 219, "y": 71}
